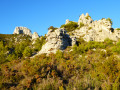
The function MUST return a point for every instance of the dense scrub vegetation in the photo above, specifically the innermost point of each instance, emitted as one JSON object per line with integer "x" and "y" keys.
{"x": 14, "y": 47}
{"x": 70, "y": 26}
{"x": 87, "y": 65}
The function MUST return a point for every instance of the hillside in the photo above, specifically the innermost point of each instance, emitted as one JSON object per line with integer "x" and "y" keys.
{"x": 83, "y": 55}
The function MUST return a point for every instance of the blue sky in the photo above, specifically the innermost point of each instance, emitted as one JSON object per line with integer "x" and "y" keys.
{"x": 39, "y": 15}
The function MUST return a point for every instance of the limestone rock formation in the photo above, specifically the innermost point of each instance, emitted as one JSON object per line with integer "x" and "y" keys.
{"x": 89, "y": 30}
{"x": 55, "y": 40}
{"x": 85, "y": 19}
{"x": 35, "y": 35}
{"x": 22, "y": 30}
{"x": 95, "y": 30}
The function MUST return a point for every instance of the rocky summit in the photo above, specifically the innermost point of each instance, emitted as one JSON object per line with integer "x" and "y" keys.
{"x": 91, "y": 30}
{"x": 22, "y": 30}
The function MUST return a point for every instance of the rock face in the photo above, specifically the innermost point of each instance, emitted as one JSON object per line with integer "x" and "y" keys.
{"x": 55, "y": 40}
{"x": 22, "y": 30}
{"x": 35, "y": 35}
{"x": 99, "y": 30}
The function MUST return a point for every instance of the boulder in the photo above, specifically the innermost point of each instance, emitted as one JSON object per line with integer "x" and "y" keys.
{"x": 22, "y": 30}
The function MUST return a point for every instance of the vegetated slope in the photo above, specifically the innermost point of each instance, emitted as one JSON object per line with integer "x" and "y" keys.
{"x": 19, "y": 46}
{"x": 87, "y": 65}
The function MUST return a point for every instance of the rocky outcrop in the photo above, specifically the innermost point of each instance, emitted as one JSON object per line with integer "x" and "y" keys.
{"x": 89, "y": 30}
{"x": 56, "y": 40}
{"x": 85, "y": 19}
{"x": 99, "y": 30}
{"x": 22, "y": 30}
{"x": 35, "y": 35}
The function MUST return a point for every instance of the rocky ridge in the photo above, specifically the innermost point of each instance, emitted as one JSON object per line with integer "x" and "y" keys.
{"x": 91, "y": 30}
{"x": 88, "y": 29}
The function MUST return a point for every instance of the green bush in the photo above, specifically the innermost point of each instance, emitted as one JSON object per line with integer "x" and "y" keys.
{"x": 20, "y": 48}
{"x": 59, "y": 54}
{"x": 71, "y": 26}
{"x": 80, "y": 49}
{"x": 93, "y": 44}
{"x": 89, "y": 28}
{"x": 118, "y": 29}
{"x": 3, "y": 52}
{"x": 108, "y": 19}
{"x": 116, "y": 48}
{"x": 39, "y": 43}
{"x": 52, "y": 28}
{"x": 81, "y": 24}
{"x": 108, "y": 42}
{"x": 85, "y": 46}
{"x": 27, "y": 52}
{"x": 87, "y": 17}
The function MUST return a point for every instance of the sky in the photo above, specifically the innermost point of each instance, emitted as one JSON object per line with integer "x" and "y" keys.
{"x": 39, "y": 15}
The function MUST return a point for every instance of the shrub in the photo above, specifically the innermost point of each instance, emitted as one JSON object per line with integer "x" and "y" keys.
{"x": 87, "y": 17}
{"x": 89, "y": 28}
{"x": 81, "y": 24}
{"x": 20, "y": 48}
{"x": 118, "y": 29}
{"x": 71, "y": 26}
{"x": 79, "y": 49}
{"x": 116, "y": 48}
{"x": 108, "y": 42}
{"x": 108, "y": 19}
{"x": 27, "y": 52}
{"x": 3, "y": 51}
{"x": 39, "y": 43}
{"x": 59, "y": 54}
{"x": 50, "y": 84}
{"x": 53, "y": 28}
{"x": 93, "y": 44}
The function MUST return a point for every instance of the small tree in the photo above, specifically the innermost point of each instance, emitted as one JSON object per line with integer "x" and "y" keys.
{"x": 51, "y": 27}
{"x": 71, "y": 26}
{"x": 39, "y": 43}
{"x": 27, "y": 52}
